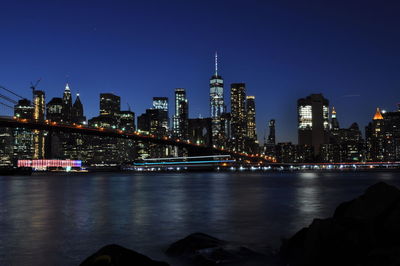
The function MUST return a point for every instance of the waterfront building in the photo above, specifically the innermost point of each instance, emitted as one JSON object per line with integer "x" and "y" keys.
{"x": 103, "y": 150}
{"x": 345, "y": 144}
{"x": 22, "y": 137}
{"x": 217, "y": 106}
{"x": 285, "y": 152}
{"x": 383, "y": 137}
{"x": 180, "y": 120}
{"x": 55, "y": 142}
{"x": 6, "y": 147}
{"x": 152, "y": 122}
{"x": 238, "y": 116}
{"x": 313, "y": 121}
{"x": 375, "y": 137}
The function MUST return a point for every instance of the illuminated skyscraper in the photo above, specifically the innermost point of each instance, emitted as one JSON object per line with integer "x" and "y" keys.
{"x": 38, "y": 116}
{"x": 238, "y": 115}
{"x": 67, "y": 104}
{"x": 217, "y": 107}
{"x": 181, "y": 117}
{"x": 251, "y": 117}
{"x": 23, "y": 137}
{"x": 313, "y": 121}
{"x": 161, "y": 104}
{"x": 39, "y": 104}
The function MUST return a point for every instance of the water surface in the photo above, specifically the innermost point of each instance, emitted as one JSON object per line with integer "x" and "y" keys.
{"x": 60, "y": 219}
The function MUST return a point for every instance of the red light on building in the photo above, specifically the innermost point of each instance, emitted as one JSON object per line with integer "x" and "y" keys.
{"x": 40, "y": 164}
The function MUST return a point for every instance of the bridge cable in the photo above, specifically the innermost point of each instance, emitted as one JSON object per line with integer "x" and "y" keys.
{"x": 10, "y": 91}
{"x": 8, "y": 99}
{"x": 7, "y": 105}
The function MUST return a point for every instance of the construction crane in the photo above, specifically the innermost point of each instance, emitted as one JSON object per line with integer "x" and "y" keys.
{"x": 33, "y": 87}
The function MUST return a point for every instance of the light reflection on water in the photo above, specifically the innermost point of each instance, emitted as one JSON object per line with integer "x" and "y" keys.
{"x": 61, "y": 219}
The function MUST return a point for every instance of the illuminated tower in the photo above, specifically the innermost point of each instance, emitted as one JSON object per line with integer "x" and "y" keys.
{"x": 161, "y": 104}
{"x": 38, "y": 116}
{"x": 181, "y": 118}
{"x": 251, "y": 117}
{"x": 23, "y": 137}
{"x": 313, "y": 121}
{"x": 67, "y": 104}
{"x": 238, "y": 115}
{"x": 217, "y": 107}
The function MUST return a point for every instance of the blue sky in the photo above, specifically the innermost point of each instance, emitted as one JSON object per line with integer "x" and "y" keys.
{"x": 282, "y": 50}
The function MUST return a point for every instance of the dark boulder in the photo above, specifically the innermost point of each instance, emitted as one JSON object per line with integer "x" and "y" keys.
{"x": 114, "y": 255}
{"x": 357, "y": 234}
{"x": 192, "y": 243}
{"x": 202, "y": 249}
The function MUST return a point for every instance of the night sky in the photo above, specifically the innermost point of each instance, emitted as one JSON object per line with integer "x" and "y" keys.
{"x": 282, "y": 50}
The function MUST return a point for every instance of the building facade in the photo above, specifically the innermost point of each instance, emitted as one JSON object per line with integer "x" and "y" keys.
{"x": 181, "y": 117}
{"x": 238, "y": 116}
{"x": 217, "y": 106}
{"x": 313, "y": 121}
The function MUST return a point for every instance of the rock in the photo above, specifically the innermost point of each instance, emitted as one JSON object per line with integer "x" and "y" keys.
{"x": 114, "y": 255}
{"x": 202, "y": 249}
{"x": 357, "y": 229}
{"x": 192, "y": 243}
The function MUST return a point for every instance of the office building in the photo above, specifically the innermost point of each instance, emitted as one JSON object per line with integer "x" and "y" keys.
{"x": 161, "y": 103}
{"x": 67, "y": 104}
{"x": 38, "y": 116}
{"x": 23, "y": 137}
{"x": 54, "y": 110}
{"x": 313, "y": 121}
{"x": 200, "y": 131}
{"x": 110, "y": 104}
{"x": 77, "y": 115}
{"x": 217, "y": 106}
{"x": 269, "y": 142}
{"x": 180, "y": 120}
{"x": 238, "y": 116}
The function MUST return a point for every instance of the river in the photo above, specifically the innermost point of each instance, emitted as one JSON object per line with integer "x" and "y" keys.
{"x": 60, "y": 219}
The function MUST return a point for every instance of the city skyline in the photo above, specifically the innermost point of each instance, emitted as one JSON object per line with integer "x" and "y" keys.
{"x": 339, "y": 52}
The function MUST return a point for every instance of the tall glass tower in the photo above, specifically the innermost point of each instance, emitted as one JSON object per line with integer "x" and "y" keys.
{"x": 217, "y": 107}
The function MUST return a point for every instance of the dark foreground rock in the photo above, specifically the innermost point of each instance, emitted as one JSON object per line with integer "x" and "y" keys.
{"x": 364, "y": 231}
{"x": 202, "y": 249}
{"x": 114, "y": 255}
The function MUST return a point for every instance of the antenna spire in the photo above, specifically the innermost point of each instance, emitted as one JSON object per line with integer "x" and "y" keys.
{"x": 216, "y": 63}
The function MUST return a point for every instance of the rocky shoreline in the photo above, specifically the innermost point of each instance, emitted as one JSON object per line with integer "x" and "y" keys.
{"x": 363, "y": 232}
